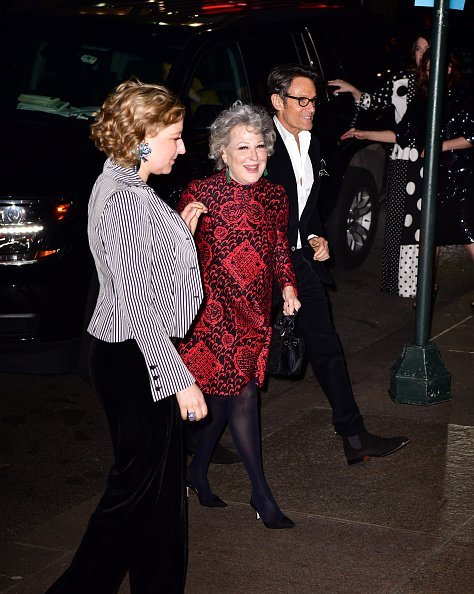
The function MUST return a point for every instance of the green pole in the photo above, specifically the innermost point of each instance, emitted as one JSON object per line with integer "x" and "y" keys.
{"x": 419, "y": 375}
{"x": 430, "y": 175}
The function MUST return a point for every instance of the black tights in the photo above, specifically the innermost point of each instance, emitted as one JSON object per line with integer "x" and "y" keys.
{"x": 241, "y": 412}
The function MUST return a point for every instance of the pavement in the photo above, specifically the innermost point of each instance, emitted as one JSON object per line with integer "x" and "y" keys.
{"x": 403, "y": 524}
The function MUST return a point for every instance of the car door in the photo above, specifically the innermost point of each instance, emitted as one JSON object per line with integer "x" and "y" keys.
{"x": 215, "y": 79}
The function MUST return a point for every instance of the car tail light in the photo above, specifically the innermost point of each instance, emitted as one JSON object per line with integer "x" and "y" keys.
{"x": 25, "y": 226}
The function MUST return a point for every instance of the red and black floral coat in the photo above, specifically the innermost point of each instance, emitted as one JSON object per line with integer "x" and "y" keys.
{"x": 243, "y": 245}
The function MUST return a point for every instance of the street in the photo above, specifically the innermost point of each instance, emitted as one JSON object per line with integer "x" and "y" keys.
{"x": 54, "y": 444}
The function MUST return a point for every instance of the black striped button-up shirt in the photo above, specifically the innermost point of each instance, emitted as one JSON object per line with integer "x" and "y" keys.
{"x": 150, "y": 285}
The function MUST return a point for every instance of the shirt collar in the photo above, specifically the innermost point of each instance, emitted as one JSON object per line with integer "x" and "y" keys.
{"x": 125, "y": 175}
{"x": 304, "y": 136}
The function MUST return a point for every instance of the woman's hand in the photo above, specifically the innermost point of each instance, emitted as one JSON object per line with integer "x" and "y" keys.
{"x": 375, "y": 135}
{"x": 191, "y": 213}
{"x": 344, "y": 87}
{"x": 291, "y": 304}
{"x": 354, "y": 133}
{"x": 190, "y": 400}
{"x": 320, "y": 247}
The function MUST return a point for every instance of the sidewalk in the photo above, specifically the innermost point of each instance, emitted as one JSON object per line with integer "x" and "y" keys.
{"x": 402, "y": 524}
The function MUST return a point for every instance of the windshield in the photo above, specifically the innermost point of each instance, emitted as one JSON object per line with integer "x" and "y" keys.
{"x": 68, "y": 76}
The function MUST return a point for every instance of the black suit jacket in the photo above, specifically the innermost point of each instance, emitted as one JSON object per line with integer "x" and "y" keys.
{"x": 280, "y": 171}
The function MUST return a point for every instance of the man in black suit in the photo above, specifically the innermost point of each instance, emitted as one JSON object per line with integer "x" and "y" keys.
{"x": 296, "y": 165}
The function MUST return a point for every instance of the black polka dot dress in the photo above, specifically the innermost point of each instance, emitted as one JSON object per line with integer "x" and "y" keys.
{"x": 403, "y": 187}
{"x": 403, "y": 219}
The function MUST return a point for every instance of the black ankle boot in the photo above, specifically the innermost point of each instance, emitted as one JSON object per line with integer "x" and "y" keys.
{"x": 359, "y": 448}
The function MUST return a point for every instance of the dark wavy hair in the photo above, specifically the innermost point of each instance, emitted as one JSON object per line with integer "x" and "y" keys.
{"x": 453, "y": 78}
{"x": 280, "y": 78}
{"x": 426, "y": 35}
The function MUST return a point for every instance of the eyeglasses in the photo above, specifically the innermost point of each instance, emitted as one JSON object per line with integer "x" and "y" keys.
{"x": 304, "y": 101}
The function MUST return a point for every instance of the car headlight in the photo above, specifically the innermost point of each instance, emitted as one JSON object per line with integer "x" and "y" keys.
{"x": 24, "y": 227}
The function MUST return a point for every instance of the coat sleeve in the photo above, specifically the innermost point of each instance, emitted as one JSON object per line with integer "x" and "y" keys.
{"x": 381, "y": 97}
{"x": 282, "y": 264}
{"x": 464, "y": 118}
{"x": 188, "y": 195}
{"x": 127, "y": 237}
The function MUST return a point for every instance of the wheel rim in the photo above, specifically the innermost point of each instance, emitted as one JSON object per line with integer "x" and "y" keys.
{"x": 359, "y": 221}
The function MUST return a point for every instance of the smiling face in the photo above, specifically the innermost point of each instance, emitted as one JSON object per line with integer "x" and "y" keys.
{"x": 420, "y": 47}
{"x": 245, "y": 155}
{"x": 165, "y": 147}
{"x": 290, "y": 114}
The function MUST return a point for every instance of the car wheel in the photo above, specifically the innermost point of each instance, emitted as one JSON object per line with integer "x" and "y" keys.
{"x": 353, "y": 223}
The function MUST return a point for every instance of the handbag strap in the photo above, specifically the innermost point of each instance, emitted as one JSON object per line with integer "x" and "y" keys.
{"x": 285, "y": 325}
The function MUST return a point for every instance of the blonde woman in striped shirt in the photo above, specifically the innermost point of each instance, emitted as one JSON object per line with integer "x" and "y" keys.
{"x": 150, "y": 292}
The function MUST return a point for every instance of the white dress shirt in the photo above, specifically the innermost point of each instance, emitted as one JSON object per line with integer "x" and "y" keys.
{"x": 150, "y": 285}
{"x": 302, "y": 166}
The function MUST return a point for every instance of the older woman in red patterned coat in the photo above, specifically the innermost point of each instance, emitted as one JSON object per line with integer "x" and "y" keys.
{"x": 243, "y": 246}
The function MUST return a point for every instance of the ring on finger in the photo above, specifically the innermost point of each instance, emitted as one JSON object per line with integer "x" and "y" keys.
{"x": 191, "y": 415}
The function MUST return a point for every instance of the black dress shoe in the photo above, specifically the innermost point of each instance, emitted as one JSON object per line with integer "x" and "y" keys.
{"x": 359, "y": 448}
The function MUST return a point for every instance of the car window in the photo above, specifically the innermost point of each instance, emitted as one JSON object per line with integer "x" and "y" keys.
{"x": 264, "y": 51}
{"x": 71, "y": 76}
{"x": 361, "y": 46}
{"x": 216, "y": 83}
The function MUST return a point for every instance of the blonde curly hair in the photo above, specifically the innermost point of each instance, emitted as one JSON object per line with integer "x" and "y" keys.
{"x": 129, "y": 114}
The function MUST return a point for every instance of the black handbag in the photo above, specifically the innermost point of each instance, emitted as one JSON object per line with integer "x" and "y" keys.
{"x": 286, "y": 350}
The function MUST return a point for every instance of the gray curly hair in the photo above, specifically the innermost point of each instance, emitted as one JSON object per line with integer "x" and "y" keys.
{"x": 254, "y": 117}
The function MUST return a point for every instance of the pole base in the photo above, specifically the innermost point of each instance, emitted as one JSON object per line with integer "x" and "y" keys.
{"x": 419, "y": 376}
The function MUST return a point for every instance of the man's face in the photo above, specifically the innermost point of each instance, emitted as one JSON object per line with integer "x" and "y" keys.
{"x": 290, "y": 114}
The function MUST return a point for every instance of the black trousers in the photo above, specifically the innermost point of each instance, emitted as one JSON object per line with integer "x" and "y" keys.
{"x": 139, "y": 524}
{"x": 323, "y": 348}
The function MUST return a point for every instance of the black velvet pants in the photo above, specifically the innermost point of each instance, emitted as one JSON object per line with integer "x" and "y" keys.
{"x": 139, "y": 524}
{"x": 323, "y": 348}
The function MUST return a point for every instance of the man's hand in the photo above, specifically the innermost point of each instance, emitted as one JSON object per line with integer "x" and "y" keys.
{"x": 321, "y": 248}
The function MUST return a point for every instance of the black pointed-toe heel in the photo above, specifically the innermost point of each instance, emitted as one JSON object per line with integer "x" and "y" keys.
{"x": 213, "y": 501}
{"x": 280, "y": 523}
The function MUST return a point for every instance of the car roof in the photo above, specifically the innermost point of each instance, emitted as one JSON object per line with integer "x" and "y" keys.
{"x": 181, "y": 20}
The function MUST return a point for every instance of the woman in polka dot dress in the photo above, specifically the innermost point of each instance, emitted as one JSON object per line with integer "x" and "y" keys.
{"x": 403, "y": 203}
{"x": 404, "y": 183}
{"x": 455, "y": 200}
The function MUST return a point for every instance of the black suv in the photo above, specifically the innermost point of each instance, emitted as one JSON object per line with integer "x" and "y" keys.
{"x": 57, "y": 69}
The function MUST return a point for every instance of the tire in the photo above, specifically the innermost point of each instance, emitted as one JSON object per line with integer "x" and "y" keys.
{"x": 353, "y": 223}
